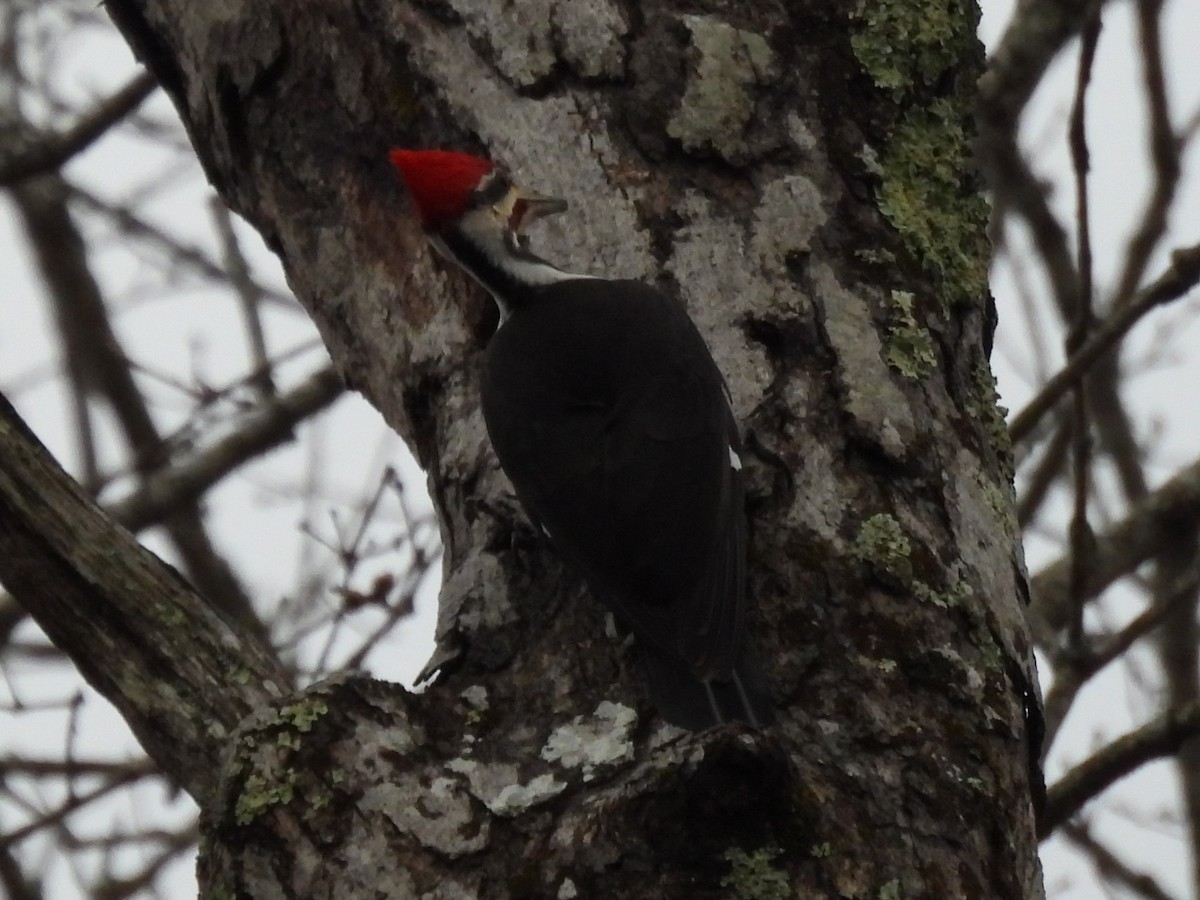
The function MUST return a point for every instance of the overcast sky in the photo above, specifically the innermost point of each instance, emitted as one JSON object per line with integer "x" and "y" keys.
{"x": 259, "y": 523}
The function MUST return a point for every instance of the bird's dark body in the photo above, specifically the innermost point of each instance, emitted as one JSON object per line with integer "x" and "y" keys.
{"x": 611, "y": 419}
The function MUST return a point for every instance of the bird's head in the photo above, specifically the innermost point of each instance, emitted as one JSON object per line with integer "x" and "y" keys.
{"x": 476, "y": 218}
{"x": 459, "y": 192}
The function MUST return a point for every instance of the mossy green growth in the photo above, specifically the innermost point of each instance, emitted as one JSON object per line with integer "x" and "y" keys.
{"x": 984, "y": 406}
{"x": 909, "y": 344}
{"x": 925, "y": 195}
{"x": 304, "y": 714}
{"x": 882, "y": 544}
{"x": 928, "y": 191}
{"x": 902, "y": 42}
{"x": 169, "y": 614}
{"x": 753, "y": 876}
{"x": 265, "y": 748}
{"x": 876, "y": 256}
{"x": 989, "y": 650}
{"x": 956, "y": 594}
{"x": 891, "y": 890}
{"x": 1002, "y": 502}
{"x": 822, "y": 850}
{"x": 258, "y": 795}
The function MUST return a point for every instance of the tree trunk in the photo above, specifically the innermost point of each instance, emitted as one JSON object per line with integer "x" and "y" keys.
{"x": 799, "y": 174}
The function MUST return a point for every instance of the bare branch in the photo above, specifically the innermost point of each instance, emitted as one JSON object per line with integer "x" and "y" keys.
{"x": 160, "y": 495}
{"x": 1181, "y": 276}
{"x": 1121, "y": 549}
{"x": 73, "y": 803}
{"x": 1156, "y": 739}
{"x": 1076, "y": 665}
{"x": 1081, "y": 532}
{"x": 1045, "y": 475}
{"x": 1111, "y": 868}
{"x": 14, "y": 882}
{"x": 52, "y": 150}
{"x": 129, "y": 223}
{"x": 248, "y": 293}
{"x": 178, "y": 674}
{"x": 1038, "y": 32}
{"x": 93, "y": 346}
{"x": 43, "y": 768}
{"x": 1164, "y": 153}
{"x": 266, "y": 427}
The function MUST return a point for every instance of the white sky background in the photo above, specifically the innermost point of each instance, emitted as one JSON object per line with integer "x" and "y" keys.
{"x": 1139, "y": 817}
{"x": 261, "y": 511}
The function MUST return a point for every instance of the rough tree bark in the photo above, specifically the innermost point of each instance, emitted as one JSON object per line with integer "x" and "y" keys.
{"x": 799, "y": 173}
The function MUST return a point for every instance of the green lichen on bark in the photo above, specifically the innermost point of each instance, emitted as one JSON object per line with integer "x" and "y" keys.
{"x": 927, "y": 197}
{"x": 983, "y": 405}
{"x": 882, "y": 544}
{"x": 304, "y": 713}
{"x": 957, "y": 593}
{"x": 266, "y": 748}
{"x": 260, "y": 794}
{"x": 955, "y": 587}
{"x": 929, "y": 191}
{"x": 1001, "y": 500}
{"x": 905, "y": 41}
{"x": 909, "y": 344}
{"x": 753, "y": 876}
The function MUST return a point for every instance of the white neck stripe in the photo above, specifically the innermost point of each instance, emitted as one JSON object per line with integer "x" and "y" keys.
{"x": 505, "y": 266}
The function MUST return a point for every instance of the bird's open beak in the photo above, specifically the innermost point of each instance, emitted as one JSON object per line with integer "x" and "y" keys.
{"x": 528, "y": 208}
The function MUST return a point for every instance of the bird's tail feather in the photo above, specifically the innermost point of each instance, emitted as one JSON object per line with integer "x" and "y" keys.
{"x": 690, "y": 702}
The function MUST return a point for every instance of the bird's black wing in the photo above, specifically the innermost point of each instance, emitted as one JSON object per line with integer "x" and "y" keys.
{"x": 610, "y": 418}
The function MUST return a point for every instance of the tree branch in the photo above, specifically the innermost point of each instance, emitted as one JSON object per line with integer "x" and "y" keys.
{"x": 1038, "y": 32}
{"x": 52, "y": 150}
{"x": 1181, "y": 276}
{"x": 1110, "y": 866}
{"x": 93, "y": 348}
{"x": 180, "y": 676}
{"x": 266, "y": 427}
{"x": 1154, "y": 740}
{"x": 1120, "y": 550}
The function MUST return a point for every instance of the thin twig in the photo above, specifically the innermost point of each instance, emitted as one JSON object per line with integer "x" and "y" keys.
{"x": 131, "y": 225}
{"x": 1154, "y": 740}
{"x": 19, "y": 834}
{"x": 1120, "y": 549}
{"x": 1111, "y": 868}
{"x": 248, "y": 293}
{"x": 1073, "y": 669}
{"x": 1164, "y": 154}
{"x": 1036, "y": 486}
{"x": 52, "y": 150}
{"x": 1080, "y": 532}
{"x": 1179, "y": 278}
{"x": 263, "y": 429}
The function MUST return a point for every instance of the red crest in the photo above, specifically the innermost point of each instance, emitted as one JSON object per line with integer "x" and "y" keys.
{"x": 440, "y": 182}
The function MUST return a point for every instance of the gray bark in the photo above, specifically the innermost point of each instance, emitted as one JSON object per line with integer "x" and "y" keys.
{"x": 800, "y": 177}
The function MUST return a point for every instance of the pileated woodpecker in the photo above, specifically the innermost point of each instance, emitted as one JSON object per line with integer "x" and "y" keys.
{"x": 613, "y": 423}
